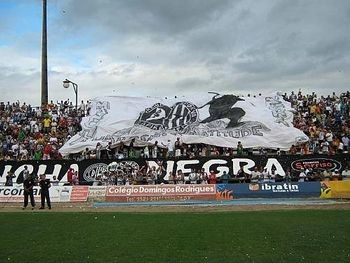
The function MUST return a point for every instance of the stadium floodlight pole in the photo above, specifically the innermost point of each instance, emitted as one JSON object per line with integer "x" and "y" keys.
{"x": 44, "y": 81}
{"x": 66, "y": 85}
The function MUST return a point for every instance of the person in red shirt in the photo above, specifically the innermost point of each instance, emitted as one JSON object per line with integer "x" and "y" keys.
{"x": 212, "y": 177}
{"x": 47, "y": 151}
{"x": 70, "y": 174}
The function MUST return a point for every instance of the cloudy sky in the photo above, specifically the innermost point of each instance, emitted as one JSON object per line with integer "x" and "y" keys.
{"x": 182, "y": 47}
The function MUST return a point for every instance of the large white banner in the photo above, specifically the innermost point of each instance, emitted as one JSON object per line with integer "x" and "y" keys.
{"x": 220, "y": 120}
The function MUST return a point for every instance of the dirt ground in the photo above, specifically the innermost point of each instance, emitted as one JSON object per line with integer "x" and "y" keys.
{"x": 88, "y": 207}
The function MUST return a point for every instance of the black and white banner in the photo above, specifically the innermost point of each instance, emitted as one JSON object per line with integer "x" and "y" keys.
{"x": 220, "y": 120}
{"x": 88, "y": 170}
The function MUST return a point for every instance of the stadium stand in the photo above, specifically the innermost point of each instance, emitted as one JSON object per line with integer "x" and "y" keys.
{"x": 37, "y": 133}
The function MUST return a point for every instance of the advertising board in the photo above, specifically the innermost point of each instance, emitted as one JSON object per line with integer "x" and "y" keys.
{"x": 269, "y": 190}
{"x": 139, "y": 193}
{"x": 14, "y": 194}
{"x": 335, "y": 189}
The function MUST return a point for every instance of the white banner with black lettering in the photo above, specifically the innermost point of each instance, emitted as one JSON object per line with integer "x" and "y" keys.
{"x": 220, "y": 120}
{"x": 10, "y": 194}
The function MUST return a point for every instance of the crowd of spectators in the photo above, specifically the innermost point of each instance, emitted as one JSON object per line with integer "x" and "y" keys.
{"x": 325, "y": 119}
{"x": 37, "y": 133}
{"x": 150, "y": 175}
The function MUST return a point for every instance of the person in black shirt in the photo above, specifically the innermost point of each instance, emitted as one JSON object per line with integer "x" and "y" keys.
{"x": 9, "y": 178}
{"x": 28, "y": 184}
{"x": 45, "y": 185}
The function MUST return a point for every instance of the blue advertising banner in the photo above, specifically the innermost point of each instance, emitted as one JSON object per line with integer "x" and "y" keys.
{"x": 268, "y": 190}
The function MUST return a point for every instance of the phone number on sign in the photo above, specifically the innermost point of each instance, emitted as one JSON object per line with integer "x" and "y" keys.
{"x": 157, "y": 198}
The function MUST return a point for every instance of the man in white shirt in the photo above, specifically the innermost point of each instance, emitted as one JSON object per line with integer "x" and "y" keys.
{"x": 255, "y": 175}
{"x": 193, "y": 177}
{"x": 329, "y": 137}
{"x": 345, "y": 141}
{"x": 265, "y": 176}
{"x": 146, "y": 152}
{"x": 321, "y": 135}
{"x": 325, "y": 147}
{"x": 170, "y": 148}
{"x": 178, "y": 146}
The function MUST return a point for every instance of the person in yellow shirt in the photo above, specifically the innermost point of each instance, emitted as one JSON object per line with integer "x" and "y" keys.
{"x": 47, "y": 125}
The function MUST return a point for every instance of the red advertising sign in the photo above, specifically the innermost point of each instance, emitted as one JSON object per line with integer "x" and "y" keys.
{"x": 79, "y": 193}
{"x": 142, "y": 193}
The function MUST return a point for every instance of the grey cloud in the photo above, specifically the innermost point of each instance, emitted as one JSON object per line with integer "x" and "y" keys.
{"x": 143, "y": 17}
{"x": 165, "y": 46}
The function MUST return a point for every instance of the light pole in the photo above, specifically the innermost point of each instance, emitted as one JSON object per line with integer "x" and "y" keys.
{"x": 44, "y": 82}
{"x": 66, "y": 83}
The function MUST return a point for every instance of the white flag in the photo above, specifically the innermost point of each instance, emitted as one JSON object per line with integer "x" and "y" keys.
{"x": 220, "y": 120}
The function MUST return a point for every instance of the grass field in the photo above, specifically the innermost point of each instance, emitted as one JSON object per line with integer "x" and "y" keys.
{"x": 259, "y": 236}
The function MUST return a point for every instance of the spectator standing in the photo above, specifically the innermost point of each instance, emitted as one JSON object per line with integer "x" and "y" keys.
{"x": 204, "y": 176}
{"x": 224, "y": 177}
{"x": 47, "y": 151}
{"x": 265, "y": 175}
{"x": 172, "y": 178}
{"x": 325, "y": 147}
{"x": 86, "y": 154}
{"x": 98, "y": 150}
{"x": 169, "y": 149}
{"x": 178, "y": 146}
{"x": 212, "y": 177}
{"x": 273, "y": 176}
{"x": 193, "y": 177}
{"x": 180, "y": 177}
{"x": 255, "y": 175}
{"x": 109, "y": 151}
{"x": 345, "y": 141}
{"x": 302, "y": 175}
{"x": 70, "y": 174}
{"x": 132, "y": 153}
{"x": 75, "y": 178}
{"x": 47, "y": 125}
{"x": 288, "y": 176}
{"x": 155, "y": 150}
{"x": 146, "y": 152}
{"x": 239, "y": 149}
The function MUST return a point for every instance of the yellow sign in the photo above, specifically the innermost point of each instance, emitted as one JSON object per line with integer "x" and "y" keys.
{"x": 335, "y": 189}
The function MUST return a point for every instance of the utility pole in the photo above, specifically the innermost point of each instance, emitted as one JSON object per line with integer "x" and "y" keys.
{"x": 44, "y": 81}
